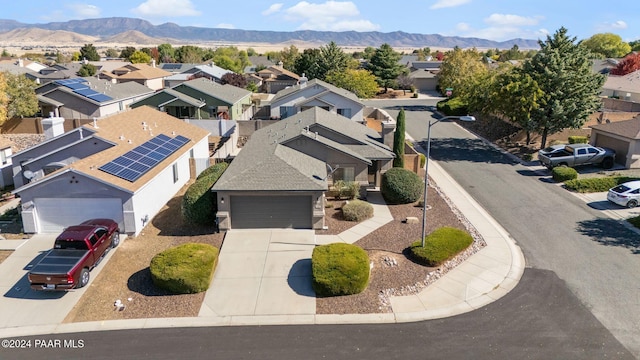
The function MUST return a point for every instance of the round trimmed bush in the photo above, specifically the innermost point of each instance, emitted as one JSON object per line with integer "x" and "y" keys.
{"x": 563, "y": 173}
{"x": 401, "y": 186}
{"x": 184, "y": 269}
{"x": 339, "y": 269}
{"x": 441, "y": 245}
{"x": 357, "y": 210}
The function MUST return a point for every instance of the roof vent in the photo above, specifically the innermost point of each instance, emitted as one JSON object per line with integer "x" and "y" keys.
{"x": 129, "y": 141}
{"x": 121, "y": 137}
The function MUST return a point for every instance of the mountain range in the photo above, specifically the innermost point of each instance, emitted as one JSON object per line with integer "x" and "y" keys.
{"x": 105, "y": 28}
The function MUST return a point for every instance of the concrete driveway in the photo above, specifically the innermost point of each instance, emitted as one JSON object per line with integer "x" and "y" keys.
{"x": 22, "y": 306}
{"x": 599, "y": 201}
{"x": 263, "y": 272}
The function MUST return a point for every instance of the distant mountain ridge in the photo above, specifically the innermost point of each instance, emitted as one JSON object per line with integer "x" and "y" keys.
{"x": 110, "y": 27}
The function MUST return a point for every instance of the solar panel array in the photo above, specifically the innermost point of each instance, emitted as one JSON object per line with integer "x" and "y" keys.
{"x": 80, "y": 86}
{"x": 171, "y": 66}
{"x": 135, "y": 163}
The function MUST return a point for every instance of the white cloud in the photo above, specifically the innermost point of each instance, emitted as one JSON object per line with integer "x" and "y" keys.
{"x": 440, "y": 4}
{"x": 160, "y": 8}
{"x": 273, "y": 9}
{"x": 463, "y": 27}
{"x": 84, "y": 10}
{"x": 511, "y": 20}
{"x": 616, "y": 25}
{"x": 225, "y": 26}
{"x": 329, "y": 16}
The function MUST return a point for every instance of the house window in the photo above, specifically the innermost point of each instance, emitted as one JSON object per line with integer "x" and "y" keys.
{"x": 3, "y": 157}
{"x": 175, "y": 173}
{"x": 191, "y": 153}
{"x": 286, "y": 111}
{"x": 347, "y": 173}
{"x": 345, "y": 112}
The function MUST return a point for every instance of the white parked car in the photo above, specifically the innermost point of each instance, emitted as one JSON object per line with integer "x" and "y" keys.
{"x": 627, "y": 194}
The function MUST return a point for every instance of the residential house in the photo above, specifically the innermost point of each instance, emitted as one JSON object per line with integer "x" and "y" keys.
{"x": 305, "y": 95}
{"x": 6, "y": 168}
{"x": 125, "y": 167}
{"x": 276, "y": 77}
{"x": 87, "y": 98}
{"x": 623, "y": 137}
{"x": 147, "y": 75}
{"x": 202, "y": 98}
{"x": 210, "y": 71}
{"x": 626, "y": 87}
{"x": 279, "y": 178}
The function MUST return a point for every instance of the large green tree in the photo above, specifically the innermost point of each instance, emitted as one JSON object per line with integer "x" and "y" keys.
{"x": 607, "y": 45}
{"x": 398, "y": 140}
{"x": 563, "y": 71}
{"x": 288, "y": 56}
{"x": 359, "y": 81}
{"x": 89, "y": 52}
{"x": 166, "y": 53}
{"x": 384, "y": 65}
{"x": 21, "y": 95}
{"x": 4, "y": 98}
{"x": 518, "y": 98}
{"x": 307, "y": 64}
{"x": 332, "y": 58}
{"x": 458, "y": 69}
{"x": 127, "y": 52}
{"x": 140, "y": 57}
{"x": 189, "y": 54}
{"x": 87, "y": 70}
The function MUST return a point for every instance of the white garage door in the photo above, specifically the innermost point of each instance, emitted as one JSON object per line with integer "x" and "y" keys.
{"x": 255, "y": 212}
{"x": 53, "y": 215}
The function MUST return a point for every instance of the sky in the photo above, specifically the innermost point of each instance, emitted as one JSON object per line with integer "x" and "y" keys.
{"x": 487, "y": 19}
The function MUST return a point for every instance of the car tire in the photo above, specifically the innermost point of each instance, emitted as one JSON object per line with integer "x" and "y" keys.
{"x": 84, "y": 278}
{"x": 115, "y": 239}
{"x": 632, "y": 203}
{"x": 607, "y": 163}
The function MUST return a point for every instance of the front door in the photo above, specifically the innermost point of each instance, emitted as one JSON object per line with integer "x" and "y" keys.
{"x": 373, "y": 173}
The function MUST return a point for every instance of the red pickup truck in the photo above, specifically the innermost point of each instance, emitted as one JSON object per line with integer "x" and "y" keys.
{"x": 75, "y": 252}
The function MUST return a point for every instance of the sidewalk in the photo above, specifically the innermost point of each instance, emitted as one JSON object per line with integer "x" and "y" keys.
{"x": 483, "y": 278}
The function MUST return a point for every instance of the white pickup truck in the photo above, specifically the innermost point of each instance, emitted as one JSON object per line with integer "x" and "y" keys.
{"x": 576, "y": 154}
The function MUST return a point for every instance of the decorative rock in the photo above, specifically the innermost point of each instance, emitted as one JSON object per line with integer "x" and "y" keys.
{"x": 411, "y": 220}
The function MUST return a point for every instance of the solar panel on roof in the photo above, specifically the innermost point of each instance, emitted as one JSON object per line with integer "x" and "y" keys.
{"x": 135, "y": 163}
{"x": 86, "y": 92}
{"x": 77, "y": 86}
{"x": 100, "y": 97}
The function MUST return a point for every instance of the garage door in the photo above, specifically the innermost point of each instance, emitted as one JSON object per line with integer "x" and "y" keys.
{"x": 53, "y": 215}
{"x": 620, "y": 146}
{"x": 255, "y": 212}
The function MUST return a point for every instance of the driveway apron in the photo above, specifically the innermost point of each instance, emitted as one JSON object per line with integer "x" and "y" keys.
{"x": 263, "y": 272}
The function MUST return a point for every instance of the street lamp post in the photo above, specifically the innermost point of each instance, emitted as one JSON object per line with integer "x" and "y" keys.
{"x": 426, "y": 168}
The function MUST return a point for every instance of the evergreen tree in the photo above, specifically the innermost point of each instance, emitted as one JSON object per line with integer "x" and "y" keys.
{"x": 398, "y": 140}
{"x": 127, "y": 52}
{"x": 332, "y": 58}
{"x": 89, "y": 52}
{"x": 563, "y": 72}
{"x": 384, "y": 65}
{"x": 87, "y": 70}
{"x": 307, "y": 64}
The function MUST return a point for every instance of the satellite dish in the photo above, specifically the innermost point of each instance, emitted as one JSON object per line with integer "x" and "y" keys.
{"x": 28, "y": 174}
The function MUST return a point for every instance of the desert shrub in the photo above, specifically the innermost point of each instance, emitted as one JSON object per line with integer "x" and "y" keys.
{"x": 635, "y": 221}
{"x": 357, "y": 210}
{"x": 344, "y": 190}
{"x": 184, "y": 269}
{"x": 415, "y": 95}
{"x": 600, "y": 184}
{"x": 455, "y": 107}
{"x": 578, "y": 139}
{"x": 339, "y": 269}
{"x": 441, "y": 245}
{"x": 423, "y": 159}
{"x": 198, "y": 203}
{"x": 401, "y": 186}
{"x": 563, "y": 173}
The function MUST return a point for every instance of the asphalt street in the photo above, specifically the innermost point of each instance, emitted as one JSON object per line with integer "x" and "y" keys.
{"x": 549, "y": 323}
{"x": 596, "y": 256}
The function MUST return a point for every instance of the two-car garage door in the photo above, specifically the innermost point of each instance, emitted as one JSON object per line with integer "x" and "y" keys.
{"x": 255, "y": 212}
{"x": 55, "y": 214}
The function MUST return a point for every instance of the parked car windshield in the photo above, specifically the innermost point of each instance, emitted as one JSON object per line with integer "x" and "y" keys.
{"x": 620, "y": 189}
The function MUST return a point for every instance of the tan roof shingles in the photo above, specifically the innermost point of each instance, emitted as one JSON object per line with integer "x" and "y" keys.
{"x": 628, "y": 128}
{"x": 129, "y": 125}
{"x": 145, "y": 72}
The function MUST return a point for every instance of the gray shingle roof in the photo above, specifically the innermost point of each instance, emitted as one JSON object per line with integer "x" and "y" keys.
{"x": 267, "y": 163}
{"x": 294, "y": 89}
{"x": 628, "y": 128}
{"x": 227, "y": 93}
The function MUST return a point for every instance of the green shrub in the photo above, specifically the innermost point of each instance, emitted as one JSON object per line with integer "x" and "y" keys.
{"x": 600, "y": 184}
{"x": 455, "y": 107}
{"x": 357, "y": 210}
{"x": 563, "y": 173}
{"x": 339, "y": 269}
{"x": 441, "y": 245}
{"x": 344, "y": 190}
{"x": 578, "y": 139}
{"x": 415, "y": 95}
{"x": 635, "y": 221}
{"x": 184, "y": 269}
{"x": 198, "y": 203}
{"x": 401, "y": 186}
{"x": 423, "y": 159}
